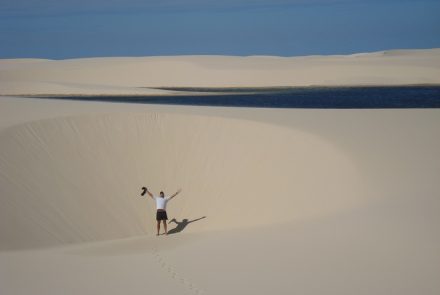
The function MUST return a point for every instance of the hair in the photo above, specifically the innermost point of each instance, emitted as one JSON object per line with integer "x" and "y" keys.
{"x": 161, "y": 193}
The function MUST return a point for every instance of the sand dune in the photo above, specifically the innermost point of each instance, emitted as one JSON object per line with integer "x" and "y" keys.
{"x": 330, "y": 201}
{"x": 32, "y": 88}
{"x": 94, "y": 195}
{"x": 294, "y": 201}
{"x": 125, "y": 75}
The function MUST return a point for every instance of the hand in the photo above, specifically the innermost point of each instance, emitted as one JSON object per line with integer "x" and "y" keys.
{"x": 179, "y": 190}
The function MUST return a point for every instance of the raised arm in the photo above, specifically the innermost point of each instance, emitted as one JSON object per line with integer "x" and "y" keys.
{"x": 148, "y": 192}
{"x": 175, "y": 194}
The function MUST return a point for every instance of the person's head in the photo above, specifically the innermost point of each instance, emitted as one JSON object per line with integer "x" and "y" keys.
{"x": 162, "y": 195}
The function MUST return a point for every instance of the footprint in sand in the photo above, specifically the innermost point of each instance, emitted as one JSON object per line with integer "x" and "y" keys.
{"x": 174, "y": 275}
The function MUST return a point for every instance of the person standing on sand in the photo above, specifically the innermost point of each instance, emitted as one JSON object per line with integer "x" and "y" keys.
{"x": 161, "y": 205}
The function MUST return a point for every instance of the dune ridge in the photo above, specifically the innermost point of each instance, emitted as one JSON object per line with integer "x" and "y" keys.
{"x": 70, "y": 172}
{"x": 125, "y": 75}
{"x": 80, "y": 177}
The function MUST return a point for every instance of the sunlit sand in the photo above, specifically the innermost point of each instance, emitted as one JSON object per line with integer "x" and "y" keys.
{"x": 282, "y": 200}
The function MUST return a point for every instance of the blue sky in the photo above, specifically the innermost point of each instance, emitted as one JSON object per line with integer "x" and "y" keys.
{"x": 66, "y": 29}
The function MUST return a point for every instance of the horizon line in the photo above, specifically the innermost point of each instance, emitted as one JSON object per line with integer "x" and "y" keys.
{"x": 223, "y": 55}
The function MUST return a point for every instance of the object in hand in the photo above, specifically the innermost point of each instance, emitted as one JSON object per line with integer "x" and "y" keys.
{"x": 144, "y": 190}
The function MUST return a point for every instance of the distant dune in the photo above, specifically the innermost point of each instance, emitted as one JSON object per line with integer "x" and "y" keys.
{"x": 125, "y": 75}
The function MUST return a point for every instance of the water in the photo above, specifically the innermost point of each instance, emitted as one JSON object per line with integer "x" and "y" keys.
{"x": 288, "y": 97}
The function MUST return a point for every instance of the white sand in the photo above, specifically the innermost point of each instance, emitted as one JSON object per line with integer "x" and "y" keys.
{"x": 296, "y": 201}
{"x": 92, "y": 76}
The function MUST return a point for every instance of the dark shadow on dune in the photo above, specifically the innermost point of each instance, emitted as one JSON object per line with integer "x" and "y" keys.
{"x": 180, "y": 226}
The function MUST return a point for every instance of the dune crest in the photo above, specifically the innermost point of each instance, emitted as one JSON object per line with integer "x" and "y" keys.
{"x": 125, "y": 75}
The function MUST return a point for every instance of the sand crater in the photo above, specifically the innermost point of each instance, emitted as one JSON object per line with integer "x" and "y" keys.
{"x": 77, "y": 179}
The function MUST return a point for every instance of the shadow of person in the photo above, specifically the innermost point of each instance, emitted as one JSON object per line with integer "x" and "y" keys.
{"x": 180, "y": 226}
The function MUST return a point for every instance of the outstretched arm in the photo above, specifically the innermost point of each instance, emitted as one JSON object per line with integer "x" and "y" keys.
{"x": 175, "y": 194}
{"x": 148, "y": 192}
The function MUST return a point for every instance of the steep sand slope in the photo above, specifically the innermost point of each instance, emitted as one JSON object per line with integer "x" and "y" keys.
{"x": 124, "y": 75}
{"x": 298, "y": 201}
{"x": 78, "y": 179}
{"x": 317, "y": 162}
{"x": 295, "y": 201}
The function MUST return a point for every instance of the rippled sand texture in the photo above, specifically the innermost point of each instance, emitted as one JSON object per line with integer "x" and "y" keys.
{"x": 298, "y": 201}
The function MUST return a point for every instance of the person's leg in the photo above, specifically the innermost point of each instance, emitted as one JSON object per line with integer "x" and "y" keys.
{"x": 158, "y": 227}
{"x": 165, "y": 226}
